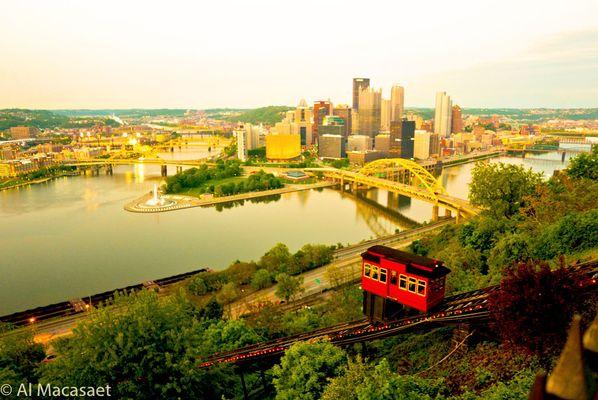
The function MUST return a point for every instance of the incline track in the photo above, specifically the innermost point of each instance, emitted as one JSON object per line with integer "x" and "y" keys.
{"x": 464, "y": 307}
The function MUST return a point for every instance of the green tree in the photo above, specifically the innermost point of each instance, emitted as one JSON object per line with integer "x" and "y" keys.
{"x": 288, "y": 286}
{"x": 585, "y": 165}
{"x": 261, "y": 279}
{"x": 276, "y": 259}
{"x": 501, "y": 189}
{"x": 386, "y": 385}
{"x": 305, "y": 368}
{"x": 198, "y": 286}
{"x": 571, "y": 233}
{"x": 228, "y": 293}
{"x": 19, "y": 357}
{"x": 147, "y": 349}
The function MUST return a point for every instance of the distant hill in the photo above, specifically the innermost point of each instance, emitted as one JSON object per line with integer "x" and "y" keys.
{"x": 263, "y": 115}
{"x": 130, "y": 112}
{"x": 523, "y": 114}
{"x": 44, "y": 119}
{"x": 40, "y": 119}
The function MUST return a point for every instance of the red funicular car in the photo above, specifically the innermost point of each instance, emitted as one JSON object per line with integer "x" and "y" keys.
{"x": 392, "y": 279}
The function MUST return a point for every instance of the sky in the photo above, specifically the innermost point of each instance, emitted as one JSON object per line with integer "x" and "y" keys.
{"x": 228, "y": 53}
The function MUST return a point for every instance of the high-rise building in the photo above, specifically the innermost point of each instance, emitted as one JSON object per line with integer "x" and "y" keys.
{"x": 407, "y": 138}
{"x": 321, "y": 109}
{"x": 385, "y": 112}
{"x": 401, "y": 138}
{"x": 331, "y": 147}
{"x": 394, "y": 144}
{"x": 23, "y": 132}
{"x": 358, "y": 85}
{"x": 443, "y": 114}
{"x": 359, "y": 143}
{"x": 421, "y": 145}
{"x": 370, "y": 102}
{"x": 419, "y": 121}
{"x": 456, "y": 120}
{"x": 382, "y": 143}
{"x": 332, "y": 130}
{"x": 344, "y": 111}
{"x": 397, "y": 102}
{"x": 241, "y": 144}
{"x": 434, "y": 144}
{"x": 299, "y": 122}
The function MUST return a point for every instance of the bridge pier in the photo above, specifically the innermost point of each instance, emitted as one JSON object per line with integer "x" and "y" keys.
{"x": 342, "y": 184}
{"x": 109, "y": 169}
{"x": 447, "y": 213}
{"x": 164, "y": 170}
{"x": 563, "y": 156}
{"x": 434, "y": 213}
{"x": 179, "y": 169}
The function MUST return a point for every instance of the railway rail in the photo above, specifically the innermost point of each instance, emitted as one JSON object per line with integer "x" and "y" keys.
{"x": 463, "y": 307}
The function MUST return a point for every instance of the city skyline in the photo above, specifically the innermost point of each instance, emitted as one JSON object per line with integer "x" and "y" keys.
{"x": 111, "y": 55}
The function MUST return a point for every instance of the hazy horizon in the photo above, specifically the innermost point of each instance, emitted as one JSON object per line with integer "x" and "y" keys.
{"x": 188, "y": 55}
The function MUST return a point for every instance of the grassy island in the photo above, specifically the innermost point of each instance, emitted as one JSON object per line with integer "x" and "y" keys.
{"x": 224, "y": 179}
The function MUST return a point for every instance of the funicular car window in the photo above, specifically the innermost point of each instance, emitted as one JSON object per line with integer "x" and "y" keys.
{"x": 421, "y": 287}
{"x": 383, "y": 275}
{"x": 366, "y": 269}
{"x": 412, "y": 283}
{"x": 393, "y": 277}
{"x": 403, "y": 282}
{"x": 374, "y": 272}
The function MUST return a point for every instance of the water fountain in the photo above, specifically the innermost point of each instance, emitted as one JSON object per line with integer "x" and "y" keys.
{"x": 156, "y": 201}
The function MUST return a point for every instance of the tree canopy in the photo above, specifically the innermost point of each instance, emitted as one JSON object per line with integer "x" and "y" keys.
{"x": 501, "y": 189}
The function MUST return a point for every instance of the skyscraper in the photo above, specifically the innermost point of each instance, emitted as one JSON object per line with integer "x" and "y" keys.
{"x": 402, "y": 134}
{"x": 344, "y": 111}
{"x": 370, "y": 102}
{"x": 457, "y": 120}
{"x": 385, "y": 112}
{"x": 298, "y": 121}
{"x": 321, "y": 109}
{"x": 358, "y": 85}
{"x": 443, "y": 114}
{"x": 397, "y": 102}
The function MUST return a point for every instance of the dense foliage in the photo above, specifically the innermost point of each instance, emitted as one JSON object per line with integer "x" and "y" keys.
{"x": 148, "y": 349}
{"x": 305, "y": 369}
{"x": 277, "y": 264}
{"x": 202, "y": 176}
{"x": 584, "y": 165}
{"x": 501, "y": 189}
{"x": 264, "y": 115}
{"x": 531, "y": 295}
{"x": 19, "y": 357}
{"x": 258, "y": 181}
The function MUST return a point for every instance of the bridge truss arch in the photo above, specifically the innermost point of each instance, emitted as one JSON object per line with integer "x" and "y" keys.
{"x": 423, "y": 176}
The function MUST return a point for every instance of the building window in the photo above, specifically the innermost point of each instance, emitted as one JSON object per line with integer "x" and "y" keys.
{"x": 393, "y": 277}
{"x": 403, "y": 282}
{"x": 383, "y": 275}
{"x": 421, "y": 287}
{"x": 375, "y": 273}
{"x": 366, "y": 270}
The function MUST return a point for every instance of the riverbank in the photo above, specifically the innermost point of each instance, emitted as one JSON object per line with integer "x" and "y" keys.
{"x": 37, "y": 181}
{"x": 180, "y": 202}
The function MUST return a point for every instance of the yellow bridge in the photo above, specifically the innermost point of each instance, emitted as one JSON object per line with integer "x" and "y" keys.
{"x": 403, "y": 177}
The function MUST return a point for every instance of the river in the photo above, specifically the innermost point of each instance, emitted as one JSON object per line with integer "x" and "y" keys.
{"x": 70, "y": 237}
